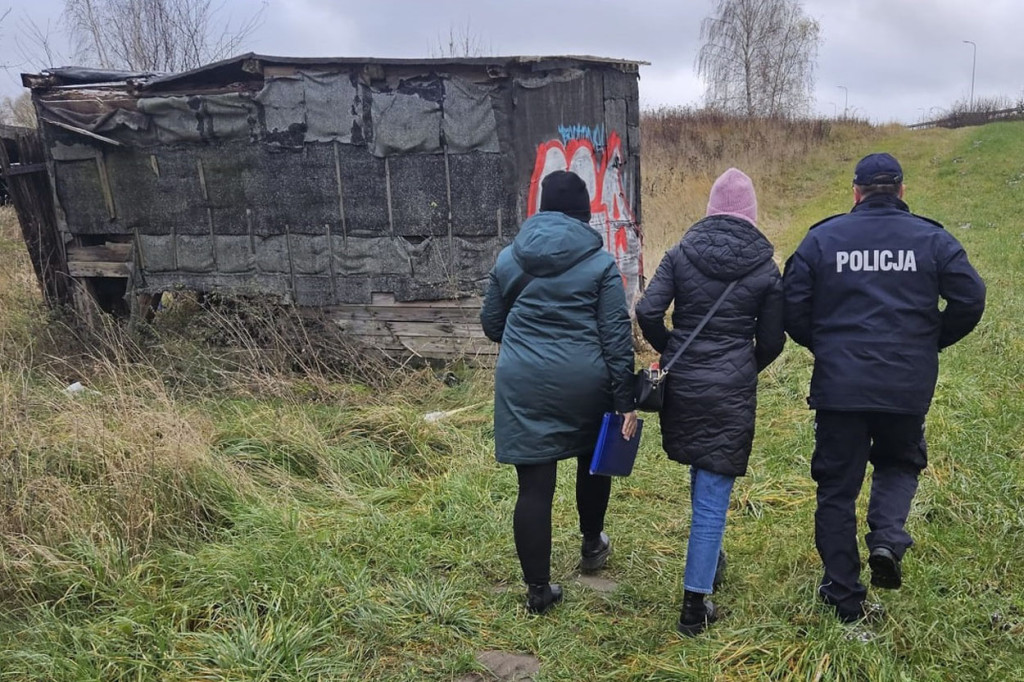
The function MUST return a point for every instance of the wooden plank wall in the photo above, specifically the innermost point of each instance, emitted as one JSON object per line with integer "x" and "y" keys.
{"x": 29, "y": 185}
{"x": 111, "y": 259}
{"x": 440, "y": 329}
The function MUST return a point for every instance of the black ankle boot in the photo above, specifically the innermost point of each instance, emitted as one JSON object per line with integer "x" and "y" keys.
{"x": 594, "y": 553}
{"x": 696, "y": 615}
{"x": 541, "y": 597}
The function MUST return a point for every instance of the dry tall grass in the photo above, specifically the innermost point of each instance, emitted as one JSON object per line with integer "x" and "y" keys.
{"x": 684, "y": 151}
{"x": 89, "y": 480}
{"x": 101, "y": 476}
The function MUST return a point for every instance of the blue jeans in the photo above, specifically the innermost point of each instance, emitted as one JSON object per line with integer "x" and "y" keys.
{"x": 709, "y": 500}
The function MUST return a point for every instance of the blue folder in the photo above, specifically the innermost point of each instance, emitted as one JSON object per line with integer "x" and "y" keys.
{"x": 614, "y": 455}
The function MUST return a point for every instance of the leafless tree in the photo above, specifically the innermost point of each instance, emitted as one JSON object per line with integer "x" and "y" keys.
{"x": 36, "y": 44}
{"x": 3, "y": 15}
{"x": 758, "y": 57}
{"x": 461, "y": 41}
{"x": 154, "y": 35}
{"x": 18, "y": 111}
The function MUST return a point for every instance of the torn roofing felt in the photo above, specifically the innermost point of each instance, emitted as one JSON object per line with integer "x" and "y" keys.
{"x": 325, "y": 181}
{"x": 81, "y": 75}
{"x": 243, "y": 67}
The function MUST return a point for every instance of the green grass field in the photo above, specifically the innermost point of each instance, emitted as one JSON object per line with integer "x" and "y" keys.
{"x": 201, "y": 518}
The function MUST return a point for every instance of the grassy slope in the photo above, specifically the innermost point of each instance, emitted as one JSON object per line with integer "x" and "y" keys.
{"x": 354, "y": 541}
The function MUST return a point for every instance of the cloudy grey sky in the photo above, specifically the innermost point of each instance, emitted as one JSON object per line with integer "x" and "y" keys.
{"x": 899, "y": 60}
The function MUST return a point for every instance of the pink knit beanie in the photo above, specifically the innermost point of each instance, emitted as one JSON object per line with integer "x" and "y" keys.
{"x": 733, "y": 194}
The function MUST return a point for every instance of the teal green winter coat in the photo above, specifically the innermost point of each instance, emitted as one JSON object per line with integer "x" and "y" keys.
{"x": 566, "y": 341}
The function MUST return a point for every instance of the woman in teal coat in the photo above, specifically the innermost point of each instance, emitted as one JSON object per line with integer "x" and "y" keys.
{"x": 556, "y": 304}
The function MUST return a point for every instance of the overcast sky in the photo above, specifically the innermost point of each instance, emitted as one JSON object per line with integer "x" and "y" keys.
{"x": 899, "y": 60}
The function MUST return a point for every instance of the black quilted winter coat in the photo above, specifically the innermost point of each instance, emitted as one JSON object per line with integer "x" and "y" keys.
{"x": 711, "y": 395}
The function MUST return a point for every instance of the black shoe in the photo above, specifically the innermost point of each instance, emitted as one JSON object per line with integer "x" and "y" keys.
{"x": 540, "y": 598}
{"x": 594, "y": 553}
{"x": 723, "y": 563}
{"x": 886, "y": 572}
{"x": 697, "y": 614}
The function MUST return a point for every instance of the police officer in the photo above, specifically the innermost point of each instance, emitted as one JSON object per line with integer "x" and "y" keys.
{"x": 862, "y": 294}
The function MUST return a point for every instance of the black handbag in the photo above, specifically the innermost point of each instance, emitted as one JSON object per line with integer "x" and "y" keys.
{"x": 649, "y": 384}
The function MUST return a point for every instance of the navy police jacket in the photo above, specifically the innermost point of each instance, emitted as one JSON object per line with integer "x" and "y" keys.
{"x": 862, "y": 293}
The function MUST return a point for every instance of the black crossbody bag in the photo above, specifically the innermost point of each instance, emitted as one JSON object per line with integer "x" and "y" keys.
{"x": 649, "y": 384}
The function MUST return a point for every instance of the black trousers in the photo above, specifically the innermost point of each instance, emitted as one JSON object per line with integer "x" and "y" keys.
{"x": 532, "y": 519}
{"x": 844, "y": 443}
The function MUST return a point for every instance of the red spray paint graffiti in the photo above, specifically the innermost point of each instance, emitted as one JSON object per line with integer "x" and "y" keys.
{"x": 610, "y": 210}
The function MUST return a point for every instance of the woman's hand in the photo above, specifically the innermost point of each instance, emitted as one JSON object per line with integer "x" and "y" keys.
{"x": 629, "y": 424}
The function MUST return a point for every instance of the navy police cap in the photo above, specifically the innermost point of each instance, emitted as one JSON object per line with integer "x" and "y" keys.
{"x": 878, "y": 169}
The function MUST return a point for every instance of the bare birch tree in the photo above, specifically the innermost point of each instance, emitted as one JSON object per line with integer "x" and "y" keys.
{"x": 758, "y": 57}
{"x": 154, "y": 35}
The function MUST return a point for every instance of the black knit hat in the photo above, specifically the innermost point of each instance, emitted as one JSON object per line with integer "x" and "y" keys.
{"x": 564, "y": 191}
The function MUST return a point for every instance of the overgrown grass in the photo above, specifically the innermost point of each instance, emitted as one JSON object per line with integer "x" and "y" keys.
{"x": 226, "y": 510}
{"x": 685, "y": 150}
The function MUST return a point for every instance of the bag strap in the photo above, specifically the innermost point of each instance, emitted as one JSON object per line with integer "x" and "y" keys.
{"x": 696, "y": 330}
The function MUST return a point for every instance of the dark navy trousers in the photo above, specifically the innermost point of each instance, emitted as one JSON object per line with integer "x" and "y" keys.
{"x": 844, "y": 444}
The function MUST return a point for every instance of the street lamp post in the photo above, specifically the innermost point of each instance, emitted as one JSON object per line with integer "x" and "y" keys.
{"x": 974, "y": 61}
{"x": 846, "y": 99}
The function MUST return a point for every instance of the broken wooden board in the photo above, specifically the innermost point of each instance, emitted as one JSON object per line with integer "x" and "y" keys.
{"x": 437, "y": 329}
{"x": 106, "y": 260}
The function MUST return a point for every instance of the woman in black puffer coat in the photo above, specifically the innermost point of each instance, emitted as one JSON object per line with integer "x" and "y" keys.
{"x": 707, "y": 420}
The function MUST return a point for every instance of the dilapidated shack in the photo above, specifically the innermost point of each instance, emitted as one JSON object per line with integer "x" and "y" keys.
{"x": 380, "y": 190}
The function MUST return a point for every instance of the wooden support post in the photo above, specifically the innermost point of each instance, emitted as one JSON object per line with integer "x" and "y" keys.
{"x": 451, "y": 220}
{"x": 341, "y": 193}
{"x": 387, "y": 190}
{"x": 291, "y": 263}
{"x": 209, "y": 211}
{"x": 108, "y": 193}
{"x": 34, "y": 203}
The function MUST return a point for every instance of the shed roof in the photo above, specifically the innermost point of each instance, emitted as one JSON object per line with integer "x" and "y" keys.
{"x": 246, "y": 66}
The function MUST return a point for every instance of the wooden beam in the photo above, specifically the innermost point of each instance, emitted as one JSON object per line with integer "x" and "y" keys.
{"x": 108, "y": 192}
{"x": 109, "y": 252}
{"x": 98, "y": 269}
{"x": 82, "y": 131}
{"x": 278, "y": 71}
{"x": 379, "y": 299}
{"x": 25, "y": 168}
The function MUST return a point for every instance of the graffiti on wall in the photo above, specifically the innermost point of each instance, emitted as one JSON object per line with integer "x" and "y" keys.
{"x": 595, "y": 134}
{"x": 603, "y": 168}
